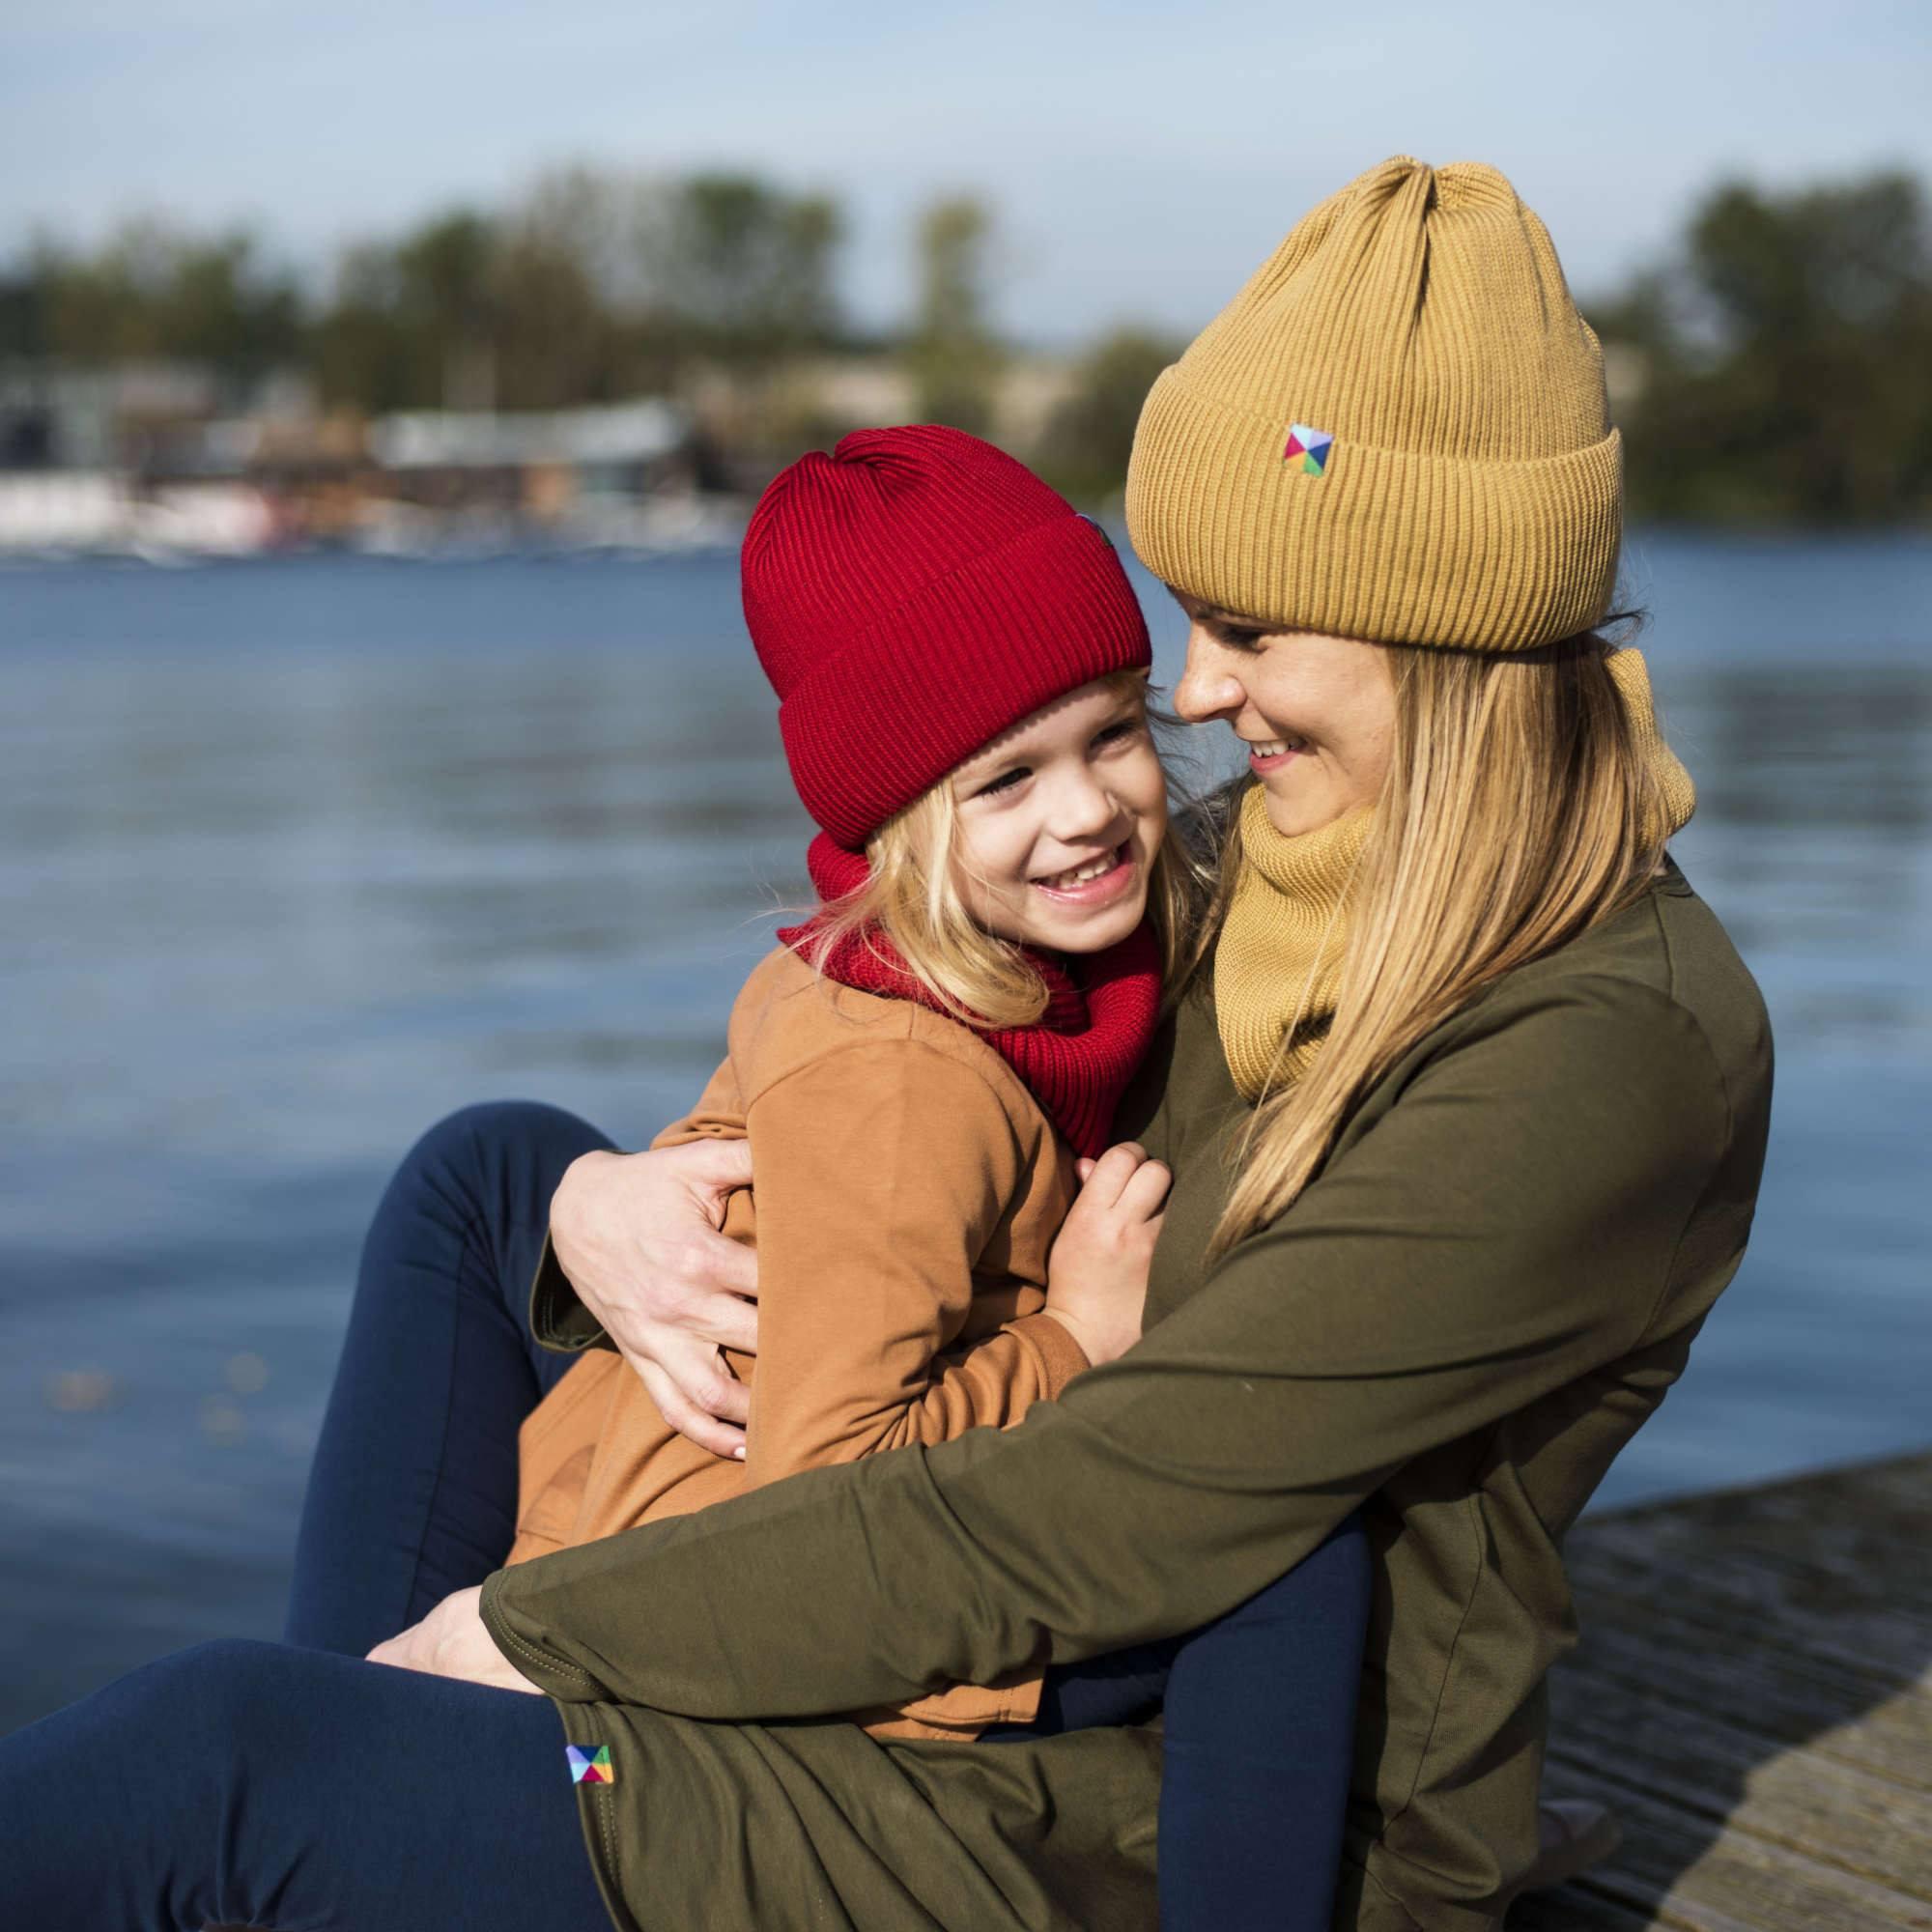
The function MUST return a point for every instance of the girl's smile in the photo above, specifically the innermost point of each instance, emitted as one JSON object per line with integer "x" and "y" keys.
{"x": 1098, "y": 882}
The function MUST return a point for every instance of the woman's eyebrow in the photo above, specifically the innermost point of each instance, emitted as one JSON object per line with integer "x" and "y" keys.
{"x": 1216, "y": 619}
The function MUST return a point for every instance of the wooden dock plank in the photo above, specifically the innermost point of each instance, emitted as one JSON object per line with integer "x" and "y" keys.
{"x": 1715, "y": 1632}
{"x": 1689, "y": 1873}
{"x": 1739, "y": 1590}
{"x": 1835, "y": 1555}
{"x": 1636, "y": 1601}
{"x": 1780, "y": 1699}
{"x": 1799, "y": 1797}
{"x": 1752, "y": 1696}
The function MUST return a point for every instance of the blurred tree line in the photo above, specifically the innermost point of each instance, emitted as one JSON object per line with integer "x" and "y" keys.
{"x": 1783, "y": 357}
{"x": 593, "y": 287}
{"x": 1776, "y": 366}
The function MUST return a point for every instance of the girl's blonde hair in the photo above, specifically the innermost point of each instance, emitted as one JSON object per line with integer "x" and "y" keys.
{"x": 1519, "y": 809}
{"x": 913, "y": 900}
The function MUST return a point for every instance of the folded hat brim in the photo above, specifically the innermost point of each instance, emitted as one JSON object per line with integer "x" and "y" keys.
{"x": 939, "y": 701}
{"x": 1389, "y": 545}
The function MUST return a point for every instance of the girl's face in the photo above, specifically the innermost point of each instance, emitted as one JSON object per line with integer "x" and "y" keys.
{"x": 1315, "y": 712}
{"x": 1059, "y": 820}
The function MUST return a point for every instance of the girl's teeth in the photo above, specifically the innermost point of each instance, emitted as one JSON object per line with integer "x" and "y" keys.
{"x": 1274, "y": 748}
{"x": 1081, "y": 874}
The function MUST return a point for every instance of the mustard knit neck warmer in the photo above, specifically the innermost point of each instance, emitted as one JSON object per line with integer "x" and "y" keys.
{"x": 1278, "y": 961}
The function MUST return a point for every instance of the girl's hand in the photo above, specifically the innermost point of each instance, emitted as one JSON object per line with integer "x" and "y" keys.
{"x": 637, "y": 1236}
{"x": 1096, "y": 1274}
{"x": 453, "y": 1641}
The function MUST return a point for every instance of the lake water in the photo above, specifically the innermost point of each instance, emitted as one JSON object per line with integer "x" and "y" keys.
{"x": 298, "y": 855}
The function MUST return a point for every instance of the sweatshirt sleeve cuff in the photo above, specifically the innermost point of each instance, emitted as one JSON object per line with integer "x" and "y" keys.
{"x": 1061, "y": 1356}
{"x": 558, "y": 1321}
{"x": 550, "y": 1674}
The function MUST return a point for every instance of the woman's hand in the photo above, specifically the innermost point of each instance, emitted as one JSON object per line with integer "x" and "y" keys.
{"x": 637, "y": 1236}
{"x": 1096, "y": 1274}
{"x": 453, "y": 1641}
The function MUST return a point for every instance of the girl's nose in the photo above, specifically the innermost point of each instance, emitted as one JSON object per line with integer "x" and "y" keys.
{"x": 1208, "y": 686}
{"x": 1083, "y": 809}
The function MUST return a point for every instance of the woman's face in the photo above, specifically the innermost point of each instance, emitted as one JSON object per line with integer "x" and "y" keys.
{"x": 1059, "y": 820}
{"x": 1315, "y": 712}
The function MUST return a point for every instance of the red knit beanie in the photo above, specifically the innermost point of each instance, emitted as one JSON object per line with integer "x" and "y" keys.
{"x": 912, "y": 595}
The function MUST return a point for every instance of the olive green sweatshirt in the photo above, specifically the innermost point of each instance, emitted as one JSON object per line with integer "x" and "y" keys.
{"x": 1487, "y": 1288}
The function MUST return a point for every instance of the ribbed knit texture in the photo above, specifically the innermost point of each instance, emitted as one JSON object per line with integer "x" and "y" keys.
{"x": 1472, "y": 493}
{"x": 1278, "y": 961}
{"x": 1075, "y": 1060}
{"x": 1632, "y": 677}
{"x": 913, "y": 595}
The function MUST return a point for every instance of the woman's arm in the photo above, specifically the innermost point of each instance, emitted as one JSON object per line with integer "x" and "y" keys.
{"x": 633, "y": 1261}
{"x": 1509, "y": 1224}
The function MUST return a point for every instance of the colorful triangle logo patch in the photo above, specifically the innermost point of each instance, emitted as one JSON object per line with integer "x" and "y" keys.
{"x": 1308, "y": 449}
{"x": 590, "y": 1764}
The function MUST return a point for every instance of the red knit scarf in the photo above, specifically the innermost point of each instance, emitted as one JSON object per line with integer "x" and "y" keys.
{"x": 1076, "y": 1059}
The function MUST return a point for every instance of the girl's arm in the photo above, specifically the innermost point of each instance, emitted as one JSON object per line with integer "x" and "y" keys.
{"x": 884, "y": 1170}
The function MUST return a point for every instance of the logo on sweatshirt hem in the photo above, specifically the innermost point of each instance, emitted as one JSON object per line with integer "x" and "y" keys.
{"x": 590, "y": 1764}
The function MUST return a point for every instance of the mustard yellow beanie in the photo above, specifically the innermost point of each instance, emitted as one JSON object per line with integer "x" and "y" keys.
{"x": 1396, "y": 431}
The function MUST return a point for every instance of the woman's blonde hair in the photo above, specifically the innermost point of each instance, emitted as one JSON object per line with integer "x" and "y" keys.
{"x": 913, "y": 900}
{"x": 1519, "y": 809}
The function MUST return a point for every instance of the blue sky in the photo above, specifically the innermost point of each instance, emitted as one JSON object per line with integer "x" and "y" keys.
{"x": 1143, "y": 158}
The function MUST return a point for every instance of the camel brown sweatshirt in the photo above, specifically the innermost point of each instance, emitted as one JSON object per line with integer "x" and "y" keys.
{"x": 909, "y": 1187}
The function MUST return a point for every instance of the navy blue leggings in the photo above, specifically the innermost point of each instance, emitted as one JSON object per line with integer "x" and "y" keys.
{"x": 295, "y": 1787}
{"x": 1258, "y": 1741}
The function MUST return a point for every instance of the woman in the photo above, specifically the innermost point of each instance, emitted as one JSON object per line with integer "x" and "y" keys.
{"x": 1467, "y": 1251}
{"x": 1466, "y": 1120}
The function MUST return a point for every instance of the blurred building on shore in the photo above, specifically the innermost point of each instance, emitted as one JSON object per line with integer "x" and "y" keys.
{"x": 156, "y": 458}
{"x": 164, "y": 458}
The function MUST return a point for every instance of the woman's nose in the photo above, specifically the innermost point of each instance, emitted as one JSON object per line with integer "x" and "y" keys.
{"x": 1208, "y": 686}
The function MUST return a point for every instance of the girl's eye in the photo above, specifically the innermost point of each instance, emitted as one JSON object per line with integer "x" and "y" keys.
{"x": 1113, "y": 733}
{"x": 1004, "y": 782}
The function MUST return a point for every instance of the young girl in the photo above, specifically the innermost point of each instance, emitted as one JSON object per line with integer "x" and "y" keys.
{"x": 961, "y": 666}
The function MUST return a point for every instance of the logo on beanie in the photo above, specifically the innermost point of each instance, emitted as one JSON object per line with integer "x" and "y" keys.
{"x": 1308, "y": 449}
{"x": 590, "y": 1765}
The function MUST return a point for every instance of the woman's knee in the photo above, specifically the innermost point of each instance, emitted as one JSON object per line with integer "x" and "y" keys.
{"x": 229, "y": 1690}
{"x": 492, "y": 1135}
{"x": 233, "y": 1674}
{"x": 492, "y": 1161}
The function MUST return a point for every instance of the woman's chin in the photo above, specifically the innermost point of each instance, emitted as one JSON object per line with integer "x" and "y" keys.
{"x": 1293, "y": 810}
